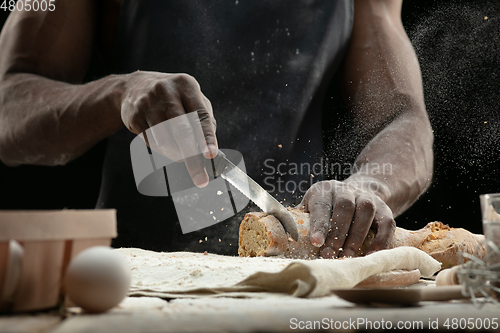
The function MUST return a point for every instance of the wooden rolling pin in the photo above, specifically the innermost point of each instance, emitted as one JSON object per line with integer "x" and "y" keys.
{"x": 448, "y": 277}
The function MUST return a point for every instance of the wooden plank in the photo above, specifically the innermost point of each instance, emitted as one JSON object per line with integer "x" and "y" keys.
{"x": 57, "y": 225}
{"x": 267, "y": 315}
{"x": 39, "y": 287}
{"x": 4, "y": 261}
{"x": 28, "y": 323}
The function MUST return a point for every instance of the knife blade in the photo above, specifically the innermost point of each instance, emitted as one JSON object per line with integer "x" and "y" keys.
{"x": 253, "y": 191}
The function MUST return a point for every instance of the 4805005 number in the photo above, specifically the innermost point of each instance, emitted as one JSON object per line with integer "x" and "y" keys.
{"x": 28, "y": 5}
{"x": 471, "y": 323}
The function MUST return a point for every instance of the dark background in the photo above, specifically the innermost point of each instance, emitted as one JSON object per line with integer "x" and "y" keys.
{"x": 458, "y": 50}
{"x": 458, "y": 46}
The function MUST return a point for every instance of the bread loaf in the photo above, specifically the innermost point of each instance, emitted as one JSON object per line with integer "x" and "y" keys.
{"x": 263, "y": 235}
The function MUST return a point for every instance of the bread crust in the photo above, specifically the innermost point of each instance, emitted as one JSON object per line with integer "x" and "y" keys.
{"x": 436, "y": 239}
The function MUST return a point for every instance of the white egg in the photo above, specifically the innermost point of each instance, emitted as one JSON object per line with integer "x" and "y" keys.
{"x": 97, "y": 279}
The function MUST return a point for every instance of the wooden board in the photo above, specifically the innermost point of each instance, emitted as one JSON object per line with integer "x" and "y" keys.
{"x": 279, "y": 314}
{"x": 40, "y": 323}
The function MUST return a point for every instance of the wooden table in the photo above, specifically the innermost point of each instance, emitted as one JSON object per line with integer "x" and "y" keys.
{"x": 276, "y": 314}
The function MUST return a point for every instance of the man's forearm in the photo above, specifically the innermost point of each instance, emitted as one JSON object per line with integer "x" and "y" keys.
{"x": 383, "y": 86}
{"x": 397, "y": 164}
{"x": 49, "y": 122}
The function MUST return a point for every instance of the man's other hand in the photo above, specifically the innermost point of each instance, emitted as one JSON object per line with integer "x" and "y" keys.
{"x": 342, "y": 213}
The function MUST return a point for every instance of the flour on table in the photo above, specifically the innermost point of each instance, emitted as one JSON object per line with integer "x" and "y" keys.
{"x": 186, "y": 274}
{"x": 180, "y": 271}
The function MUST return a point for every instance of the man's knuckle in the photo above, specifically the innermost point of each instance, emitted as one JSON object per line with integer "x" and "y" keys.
{"x": 390, "y": 223}
{"x": 203, "y": 115}
{"x": 186, "y": 80}
{"x": 315, "y": 189}
{"x": 209, "y": 135}
{"x": 321, "y": 204}
{"x": 321, "y": 225}
{"x": 143, "y": 102}
{"x": 319, "y": 189}
{"x": 345, "y": 203}
{"x": 182, "y": 131}
{"x": 159, "y": 87}
{"x": 366, "y": 204}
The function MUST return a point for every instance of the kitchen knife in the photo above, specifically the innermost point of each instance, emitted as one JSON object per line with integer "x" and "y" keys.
{"x": 246, "y": 185}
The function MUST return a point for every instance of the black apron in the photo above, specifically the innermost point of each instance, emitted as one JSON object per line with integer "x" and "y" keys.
{"x": 264, "y": 65}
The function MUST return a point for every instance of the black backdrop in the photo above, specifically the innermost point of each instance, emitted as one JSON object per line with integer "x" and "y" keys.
{"x": 458, "y": 45}
{"x": 457, "y": 48}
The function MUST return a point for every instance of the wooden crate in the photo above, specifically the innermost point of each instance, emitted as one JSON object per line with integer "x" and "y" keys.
{"x": 49, "y": 240}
